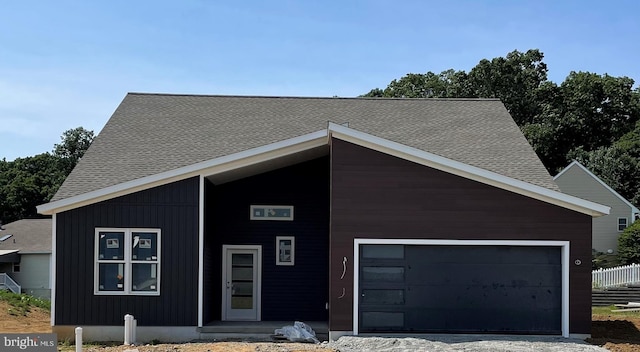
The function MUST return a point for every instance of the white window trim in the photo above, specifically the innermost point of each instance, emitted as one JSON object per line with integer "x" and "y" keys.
{"x": 127, "y": 261}
{"x": 287, "y": 207}
{"x": 293, "y": 250}
{"x": 626, "y": 222}
{"x": 564, "y": 245}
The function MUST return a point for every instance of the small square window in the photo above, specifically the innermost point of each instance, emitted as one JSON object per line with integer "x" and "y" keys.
{"x": 622, "y": 224}
{"x": 16, "y": 267}
{"x": 285, "y": 250}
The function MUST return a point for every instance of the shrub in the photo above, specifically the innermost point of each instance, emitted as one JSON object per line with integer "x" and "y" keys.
{"x": 629, "y": 244}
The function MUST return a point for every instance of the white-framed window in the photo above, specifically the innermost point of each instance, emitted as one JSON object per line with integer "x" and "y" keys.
{"x": 271, "y": 212}
{"x": 285, "y": 250}
{"x": 622, "y": 224}
{"x": 127, "y": 261}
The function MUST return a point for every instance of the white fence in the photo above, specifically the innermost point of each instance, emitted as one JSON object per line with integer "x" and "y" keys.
{"x": 7, "y": 282}
{"x": 616, "y": 277}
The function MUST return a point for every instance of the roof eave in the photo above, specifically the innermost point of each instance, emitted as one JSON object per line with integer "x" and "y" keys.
{"x": 468, "y": 171}
{"x": 217, "y": 165}
{"x": 317, "y": 139}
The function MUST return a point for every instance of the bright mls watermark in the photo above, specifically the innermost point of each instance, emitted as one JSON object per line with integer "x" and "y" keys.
{"x": 29, "y": 342}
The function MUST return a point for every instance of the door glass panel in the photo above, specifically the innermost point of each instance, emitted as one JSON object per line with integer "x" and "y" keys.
{"x": 242, "y": 260}
{"x": 242, "y": 273}
{"x": 242, "y": 281}
{"x": 382, "y": 273}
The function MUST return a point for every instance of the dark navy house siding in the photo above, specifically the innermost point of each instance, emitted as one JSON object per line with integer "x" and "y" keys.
{"x": 172, "y": 208}
{"x": 298, "y": 292}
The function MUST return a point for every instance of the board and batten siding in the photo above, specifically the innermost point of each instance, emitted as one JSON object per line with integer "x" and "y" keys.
{"x": 375, "y": 195}
{"x": 576, "y": 182}
{"x": 172, "y": 208}
{"x": 289, "y": 293}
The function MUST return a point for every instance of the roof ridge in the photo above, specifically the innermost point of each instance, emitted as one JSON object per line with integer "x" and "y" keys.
{"x": 304, "y": 97}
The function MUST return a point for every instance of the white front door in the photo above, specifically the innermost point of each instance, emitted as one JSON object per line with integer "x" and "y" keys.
{"x": 241, "y": 274}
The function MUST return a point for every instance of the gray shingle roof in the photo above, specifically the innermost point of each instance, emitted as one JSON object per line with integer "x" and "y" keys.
{"x": 153, "y": 133}
{"x": 29, "y": 236}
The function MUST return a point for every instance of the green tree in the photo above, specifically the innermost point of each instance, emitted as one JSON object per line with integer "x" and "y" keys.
{"x": 618, "y": 165}
{"x": 74, "y": 144}
{"x": 31, "y": 181}
{"x": 514, "y": 79}
{"x": 629, "y": 245}
{"x": 585, "y": 113}
{"x": 446, "y": 84}
{"x": 26, "y": 183}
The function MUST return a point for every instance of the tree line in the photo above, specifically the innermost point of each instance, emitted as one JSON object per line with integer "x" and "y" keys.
{"x": 589, "y": 117}
{"x": 28, "y": 182}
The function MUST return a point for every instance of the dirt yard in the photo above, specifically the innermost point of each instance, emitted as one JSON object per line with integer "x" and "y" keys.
{"x": 615, "y": 332}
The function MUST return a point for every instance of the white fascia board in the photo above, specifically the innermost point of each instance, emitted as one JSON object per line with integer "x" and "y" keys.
{"x": 209, "y": 167}
{"x": 606, "y": 186}
{"x": 467, "y": 171}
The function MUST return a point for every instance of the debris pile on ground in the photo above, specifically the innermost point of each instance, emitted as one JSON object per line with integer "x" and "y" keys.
{"x": 299, "y": 332}
{"x": 629, "y": 307}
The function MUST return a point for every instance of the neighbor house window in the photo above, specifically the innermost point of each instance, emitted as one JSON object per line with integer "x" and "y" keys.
{"x": 622, "y": 224}
{"x": 285, "y": 250}
{"x": 16, "y": 267}
{"x": 127, "y": 262}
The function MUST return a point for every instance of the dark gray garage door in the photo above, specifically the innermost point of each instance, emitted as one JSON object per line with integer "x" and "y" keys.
{"x": 460, "y": 289}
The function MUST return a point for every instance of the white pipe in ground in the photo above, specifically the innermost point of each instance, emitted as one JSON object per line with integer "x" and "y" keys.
{"x": 128, "y": 324}
{"x": 78, "y": 339}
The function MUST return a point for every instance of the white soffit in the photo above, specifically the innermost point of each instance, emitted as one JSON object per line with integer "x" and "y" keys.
{"x": 467, "y": 171}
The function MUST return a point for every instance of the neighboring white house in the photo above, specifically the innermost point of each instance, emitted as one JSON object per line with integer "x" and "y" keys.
{"x": 578, "y": 181}
{"x": 25, "y": 255}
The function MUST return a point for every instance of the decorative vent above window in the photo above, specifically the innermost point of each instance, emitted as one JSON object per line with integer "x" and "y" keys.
{"x": 271, "y": 212}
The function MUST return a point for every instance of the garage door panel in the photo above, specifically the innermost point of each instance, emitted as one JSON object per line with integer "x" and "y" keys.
{"x": 435, "y": 297}
{"x": 484, "y": 254}
{"x": 487, "y": 320}
{"x": 513, "y": 289}
{"x": 484, "y": 275}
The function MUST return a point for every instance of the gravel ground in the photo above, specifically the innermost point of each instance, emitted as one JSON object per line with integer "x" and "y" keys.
{"x": 461, "y": 343}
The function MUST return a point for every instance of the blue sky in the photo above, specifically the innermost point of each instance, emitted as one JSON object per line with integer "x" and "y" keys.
{"x": 65, "y": 64}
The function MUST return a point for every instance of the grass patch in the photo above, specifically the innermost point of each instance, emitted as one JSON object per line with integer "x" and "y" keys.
{"x": 21, "y": 304}
{"x": 608, "y": 311}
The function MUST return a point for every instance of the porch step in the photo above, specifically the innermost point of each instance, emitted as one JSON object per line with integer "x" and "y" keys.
{"x": 254, "y": 330}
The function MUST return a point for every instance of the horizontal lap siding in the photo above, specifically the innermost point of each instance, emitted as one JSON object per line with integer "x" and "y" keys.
{"x": 172, "y": 208}
{"x": 289, "y": 293}
{"x": 374, "y": 195}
